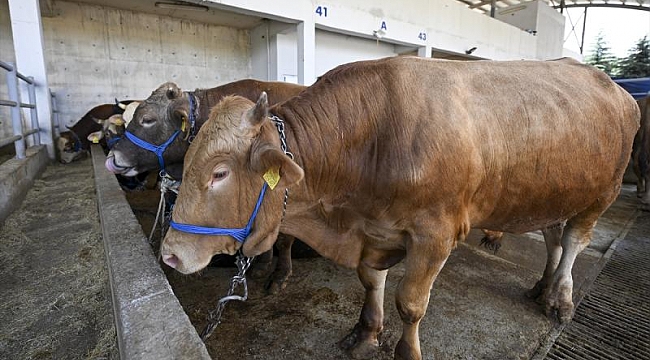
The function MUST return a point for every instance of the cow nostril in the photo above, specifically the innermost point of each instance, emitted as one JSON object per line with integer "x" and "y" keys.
{"x": 171, "y": 260}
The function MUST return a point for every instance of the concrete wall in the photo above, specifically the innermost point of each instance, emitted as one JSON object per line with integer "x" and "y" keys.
{"x": 97, "y": 53}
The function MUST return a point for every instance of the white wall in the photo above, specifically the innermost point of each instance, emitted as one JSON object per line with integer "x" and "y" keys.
{"x": 334, "y": 49}
{"x": 547, "y": 24}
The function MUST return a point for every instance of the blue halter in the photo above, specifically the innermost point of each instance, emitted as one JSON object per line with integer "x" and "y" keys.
{"x": 238, "y": 234}
{"x": 111, "y": 142}
{"x": 156, "y": 149}
{"x": 77, "y": 141}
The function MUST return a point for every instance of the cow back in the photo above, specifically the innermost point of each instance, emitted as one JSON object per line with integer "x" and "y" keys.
{"x": 492, "y": 140}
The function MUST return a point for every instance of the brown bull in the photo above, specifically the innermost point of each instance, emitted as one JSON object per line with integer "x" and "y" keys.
{"x": 396, "y": 159}
{"x": 641, "y": 153}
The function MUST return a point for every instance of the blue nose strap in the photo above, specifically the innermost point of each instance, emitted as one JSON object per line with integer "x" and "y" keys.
{"x": 156, "y": 149}
{"x": 238, "y": 234}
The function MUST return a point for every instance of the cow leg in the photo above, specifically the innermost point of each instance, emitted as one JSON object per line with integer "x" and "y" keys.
{"x": 422, "y": 265}
{"x": 283, "y": 268}
{"x": 553, "y": 240}
{"x": 262, "y": 265}
{"x": 576, "y": 236}
{"x": 363, "y": 341}
{"x": 645, "y": 195}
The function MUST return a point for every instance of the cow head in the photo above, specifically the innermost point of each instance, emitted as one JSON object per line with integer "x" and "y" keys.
{"x": 155, "y": 120}
{"x": 224, "y": 173}
{"x": 111, "y": 132}
{"x": 69, "y": 147}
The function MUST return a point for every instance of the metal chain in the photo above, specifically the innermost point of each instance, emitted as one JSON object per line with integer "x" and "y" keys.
{"x": 243, "y": 263}
{"x": 279, "y": 123}
{"x": 214, "y": 317}
{"x": 166, "y": 184}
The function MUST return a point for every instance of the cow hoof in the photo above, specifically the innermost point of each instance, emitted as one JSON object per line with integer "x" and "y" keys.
{"x": 260, "y": 270}
{"x": 278, "y": 280}
{"x": 557, "y": 307}
{"x": 275, "y": 286}
{"x": 561, "y": 313}
{"x": 403, "y": 351}
{"x": 357, "y": 348}
{"x": 536, "y": 292}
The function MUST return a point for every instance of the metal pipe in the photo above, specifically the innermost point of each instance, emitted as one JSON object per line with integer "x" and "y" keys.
{"x": 33, "y": 114}
{"x": 584, "y": 25}
{"x": 6, "y": 66}
{"x": 9, "y": 140}
{"x": 17, "y": 124}
{"x": 8, "y": 103}
{"x": 55, "y": 114}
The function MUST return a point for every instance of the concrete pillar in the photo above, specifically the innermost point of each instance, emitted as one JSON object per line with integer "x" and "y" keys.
{"x": 29, "y": 48}
{"x": 306, "y": 52}
{"x": 425, "y": 51}
{"x": 260, "y": 54}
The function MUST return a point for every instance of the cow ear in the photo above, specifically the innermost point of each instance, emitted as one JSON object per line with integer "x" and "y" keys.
{"x": 117, "y": 120}
{"x": 275, "y": 167}
{"x": 173, "y": 91}
{"x": 257, "y": 114}
{"x": 95, "y": 137}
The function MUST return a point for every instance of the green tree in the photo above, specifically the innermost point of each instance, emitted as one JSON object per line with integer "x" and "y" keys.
{"x": 601, "y": 56}
{"x": 637, "y": 63}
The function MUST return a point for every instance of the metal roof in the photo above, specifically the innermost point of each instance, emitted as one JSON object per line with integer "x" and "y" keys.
{"x": 485, "y": 5}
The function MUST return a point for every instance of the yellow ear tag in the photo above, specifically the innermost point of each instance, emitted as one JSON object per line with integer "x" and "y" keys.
{"x": 183, "y": 125}
{"x": 95, "y": 140}
{"x": 272, "y": 177}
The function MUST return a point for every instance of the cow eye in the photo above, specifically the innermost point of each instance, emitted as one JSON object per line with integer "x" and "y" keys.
{"x": 219, "y": 175}
{"x": 148, "y": 120}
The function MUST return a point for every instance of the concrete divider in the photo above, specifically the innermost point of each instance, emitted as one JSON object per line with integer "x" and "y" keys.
{"x": 149, "y": 319}
{"x": 17, "y": 176}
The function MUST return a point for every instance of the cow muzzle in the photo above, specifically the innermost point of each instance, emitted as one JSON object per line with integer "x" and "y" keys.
{"x": 112, "y": 166}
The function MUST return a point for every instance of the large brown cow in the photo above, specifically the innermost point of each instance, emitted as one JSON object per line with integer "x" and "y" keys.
{"x": 396, "y": 159}
{"x": 641, "y": 153}
{"x": 161, "y": 115}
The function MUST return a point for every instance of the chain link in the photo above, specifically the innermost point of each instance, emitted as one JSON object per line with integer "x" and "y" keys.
{"x": 279, "y": 123}
{"x": 214, "y": 317}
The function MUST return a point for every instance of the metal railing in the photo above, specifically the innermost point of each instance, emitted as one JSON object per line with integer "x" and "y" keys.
{"x": 55, "y": 115}
{"x": 14, "y": 103}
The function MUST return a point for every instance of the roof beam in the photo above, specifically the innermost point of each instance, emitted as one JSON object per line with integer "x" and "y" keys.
{"x": 621, "y": 6}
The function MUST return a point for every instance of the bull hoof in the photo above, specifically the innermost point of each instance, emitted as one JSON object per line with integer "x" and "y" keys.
{"x": 403, "y": 351}
{"x": 559, "y": 305}
{"x": 357, "y": 347}
{"x": 277, "y": 283}
{"x": 260, "y": 270}
{"x": 560, "y": 312}
{"x": 536, "y": 292}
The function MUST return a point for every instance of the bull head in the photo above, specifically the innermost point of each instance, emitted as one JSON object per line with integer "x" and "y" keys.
{"x": 155, "y": 120}
{"x": 225, "y": 168}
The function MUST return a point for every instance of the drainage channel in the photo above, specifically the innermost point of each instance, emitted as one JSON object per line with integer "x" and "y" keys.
{"x": 613, "y": 319}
